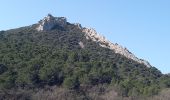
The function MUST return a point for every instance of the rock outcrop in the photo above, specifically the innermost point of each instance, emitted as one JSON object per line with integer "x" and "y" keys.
{"x": 81, "y": 44}
{"x": 93, "y": 35}
{"x": 50, "y": 22}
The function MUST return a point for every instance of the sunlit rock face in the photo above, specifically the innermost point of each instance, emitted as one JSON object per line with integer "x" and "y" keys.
{"x": 94, "y": 36}
{"x": 50, "y": 22}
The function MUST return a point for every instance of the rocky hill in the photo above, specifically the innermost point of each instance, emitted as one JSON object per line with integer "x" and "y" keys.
{"x": 55, "y": 59}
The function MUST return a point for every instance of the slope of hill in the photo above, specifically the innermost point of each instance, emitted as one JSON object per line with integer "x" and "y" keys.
{"x": 57, "y": 55}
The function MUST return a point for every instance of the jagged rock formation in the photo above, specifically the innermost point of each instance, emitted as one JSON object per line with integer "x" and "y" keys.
{"x": 49, "y": 22}
{"x": 93, "y": 35}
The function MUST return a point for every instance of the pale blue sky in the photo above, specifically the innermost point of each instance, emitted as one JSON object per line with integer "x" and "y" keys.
{"x": 143, "y": 26}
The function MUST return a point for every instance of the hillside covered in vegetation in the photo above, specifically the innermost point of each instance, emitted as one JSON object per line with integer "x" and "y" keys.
{"x": 61, "y": 64}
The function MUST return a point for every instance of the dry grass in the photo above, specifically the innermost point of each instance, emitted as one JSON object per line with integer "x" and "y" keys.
{"x": 13, "y": 94}
{"x": 163, "y": 95}
{"x": 100, "y": 92}
{"x": 54, "y": 93}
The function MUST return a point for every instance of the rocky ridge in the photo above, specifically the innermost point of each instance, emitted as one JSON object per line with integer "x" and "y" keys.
{"x": 49, "y": 22}
{"x": 90, "y": 33}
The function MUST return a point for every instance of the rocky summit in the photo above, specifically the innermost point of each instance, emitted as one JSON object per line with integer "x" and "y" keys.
{"x": 50, "y": 22}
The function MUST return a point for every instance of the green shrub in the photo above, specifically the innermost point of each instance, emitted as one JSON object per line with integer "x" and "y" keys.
{"x": 71, "y": 82}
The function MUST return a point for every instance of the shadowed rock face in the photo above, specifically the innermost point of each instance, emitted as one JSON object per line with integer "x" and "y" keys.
{"x": 49, "y": 22}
